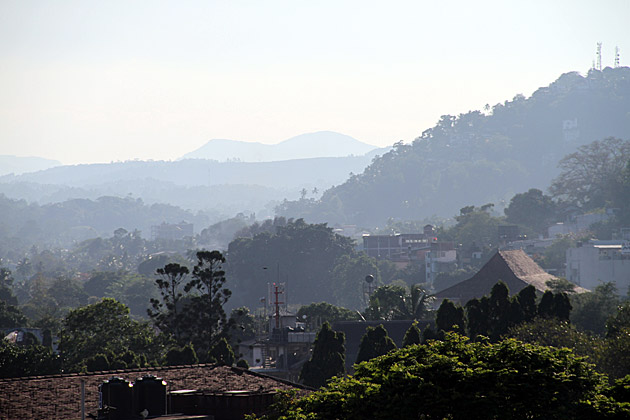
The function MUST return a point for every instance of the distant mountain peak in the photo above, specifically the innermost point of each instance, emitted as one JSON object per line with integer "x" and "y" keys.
{"x": 303, "y": 146}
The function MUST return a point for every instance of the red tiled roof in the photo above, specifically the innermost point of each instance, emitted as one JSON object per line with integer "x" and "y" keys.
{"x": 59, "y": 396}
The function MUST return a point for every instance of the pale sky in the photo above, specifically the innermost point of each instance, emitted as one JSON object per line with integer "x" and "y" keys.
{"x": 100, "y": 81}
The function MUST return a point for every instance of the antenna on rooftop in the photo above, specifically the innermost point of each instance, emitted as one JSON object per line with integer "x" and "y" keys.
{"x": 599, "y": 56}
{"x": 616, "y": 57}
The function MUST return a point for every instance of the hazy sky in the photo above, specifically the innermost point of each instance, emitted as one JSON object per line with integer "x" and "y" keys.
{"x": 96, "y": 81}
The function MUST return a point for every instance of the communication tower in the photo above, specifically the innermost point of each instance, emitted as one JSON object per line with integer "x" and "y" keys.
{"x": 616, "y": 57}
{"x": 599, "y": 56}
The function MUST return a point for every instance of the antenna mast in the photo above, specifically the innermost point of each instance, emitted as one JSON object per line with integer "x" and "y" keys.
{"x": 616, "y": 57}
{"x": 599, "y": 56}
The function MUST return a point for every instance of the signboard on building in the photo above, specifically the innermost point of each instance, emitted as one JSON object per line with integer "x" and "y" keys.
{"x": 625, "y": 248}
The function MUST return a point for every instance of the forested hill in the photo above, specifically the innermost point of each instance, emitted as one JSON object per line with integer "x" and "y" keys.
{"x": 480, "y": 157}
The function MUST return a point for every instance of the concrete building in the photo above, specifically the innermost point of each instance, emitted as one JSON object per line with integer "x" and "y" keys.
{"x": 594, "y": 262}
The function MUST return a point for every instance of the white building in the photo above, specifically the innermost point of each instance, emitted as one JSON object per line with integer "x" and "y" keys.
{"x": 594, "y": 262}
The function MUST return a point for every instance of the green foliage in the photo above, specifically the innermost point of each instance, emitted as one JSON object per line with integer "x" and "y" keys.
{"x": 301, "y": 252}
{"x": 374, "y": 343}
{"x": 242, "y": 326}
{"x": 167, "y": 312}
{"x": 11, "y": 316}
{"x": 555, "y": 255}
{"x": 222, "y": 353}
{"x": 101, "y": 328}
{"x": 456, "y": 379}
{"x": 393, "y": 302}
{"x": 17, "y": 360}
{"x": 319, "y": 313}
{"x": 178, "y": 356}
{"x": 412, "y": 335}
{"x": 192, "y": 311}
{"x": 242, "y": 363}
{"x": 327, "y": 359}
{"x": 348, "y": 277}
{"x": 592, "y": 310}
{"x": 532, "y": 209}
{"x": 619, "y": 321}
{"x": 591, "y": 177}
{"x": 450, "y": 317}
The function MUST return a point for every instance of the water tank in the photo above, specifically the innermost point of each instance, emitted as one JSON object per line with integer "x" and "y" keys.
{"x": 114, "y": 401}
{"x": 149, "y": 393}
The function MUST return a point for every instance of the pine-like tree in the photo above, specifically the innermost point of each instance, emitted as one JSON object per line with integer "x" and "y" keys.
{"x": 328, "y": 358}
{"x": 222, "y": 353}
{"x": 375, "y": 343}
{"x": 412, "y": 336}
{"x": 450, "y": 317}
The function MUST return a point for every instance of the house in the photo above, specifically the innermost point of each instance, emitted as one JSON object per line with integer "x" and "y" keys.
{"x": 594, "y": 262}
{"x": 515, "y": 268}
{"x": 218, "y": 392}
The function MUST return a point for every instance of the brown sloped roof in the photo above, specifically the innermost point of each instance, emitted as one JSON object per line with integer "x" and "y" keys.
{"x": 526, "y": 269}
{"x": 515, "y": 268}
{"x": 59, "y": 396}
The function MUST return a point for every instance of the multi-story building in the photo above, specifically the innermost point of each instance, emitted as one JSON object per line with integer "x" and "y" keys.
{"x": 594, "y": 262}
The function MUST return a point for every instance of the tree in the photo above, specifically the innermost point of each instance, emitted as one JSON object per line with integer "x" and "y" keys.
{"x": 590, "y": 177}
{"x": 178, "y": 356}
{"x": 302, "y": 253}
{"x": 450, "y": 317}
{"x": 101, "y": 328}
{"x": 192, "y": 311}
{"x": 17, "y": 360}
{"x": 458, "y": 379}
{"x": 591, "y": 310}
{"x": 317, "y": 314}
{"x": 393, "y": 302}
{"x": 412, "y": 335}
{"x": 532, "y": 209}
{"x": 327, "y": 359}
{"x": 242, "y": 326}
{"x": 204, "y": 313}
{"x": 348, "y": 277}
{"x": 222, "y": 353}
{"x": 375, "y": 342}
{"x": 167, "y": 312}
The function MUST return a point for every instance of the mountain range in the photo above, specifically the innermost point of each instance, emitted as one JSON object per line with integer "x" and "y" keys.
{"x": 480, "y": 157}
{"x": 305, "y": 146}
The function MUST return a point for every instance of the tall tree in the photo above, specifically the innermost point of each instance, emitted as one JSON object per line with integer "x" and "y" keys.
{"x": 450, "y": 317}
{"x": 328, "y": 358}
{"x": 532, "y": 209}
{"x": 591, "y": 176}
{"x": 412, "y": 335}
{"x": 167, "y": 312}
{"x": 101, "y": 328}
{"x": 375, "y": 342}
{"x": 204, "y": 313}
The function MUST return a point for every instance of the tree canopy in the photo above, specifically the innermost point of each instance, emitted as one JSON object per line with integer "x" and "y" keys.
{"x": 459, "y": 379}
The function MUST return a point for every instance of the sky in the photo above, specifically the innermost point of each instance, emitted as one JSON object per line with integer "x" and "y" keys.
{"x": 87, "y": 81}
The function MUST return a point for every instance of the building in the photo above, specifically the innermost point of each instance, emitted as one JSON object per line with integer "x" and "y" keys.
{"x": 411, "y": 248}
{"x": 596, "y": 262}
{"x": 218, "y": 392}
{"x": 515, "y": 268}
{"x": 172, "y": 231}
{"x": 441, "y": 258}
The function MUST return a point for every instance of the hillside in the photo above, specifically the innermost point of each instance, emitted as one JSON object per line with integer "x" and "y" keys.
{"x": 305, "y": 146}
{"x": 18, "y": 165}
{"x": 476, "y": 158}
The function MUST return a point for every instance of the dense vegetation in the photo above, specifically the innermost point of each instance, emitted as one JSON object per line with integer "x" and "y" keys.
{"x": 479, "y": 157}
{"x": 459, "y": 379}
